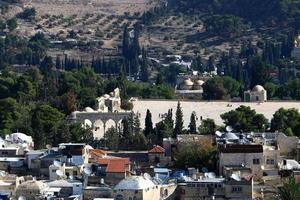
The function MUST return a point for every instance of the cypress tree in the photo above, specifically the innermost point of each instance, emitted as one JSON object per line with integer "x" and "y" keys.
{"x": 148, "y": 123}
{"x": 179, "y": 121}
{"x": 192, "y": 125}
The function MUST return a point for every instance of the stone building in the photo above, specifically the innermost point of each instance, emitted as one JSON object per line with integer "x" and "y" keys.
{"x": 143, "y": 188}
{"x": 257, "y": 94}
{"x": 189, "y": 88}
{"x": 157, "y": 156}
{"x": 31, "y": 190}
{"x": 207, "y": 188}
{"x": 107, "y": 114}
{"x": 249, "y": 156}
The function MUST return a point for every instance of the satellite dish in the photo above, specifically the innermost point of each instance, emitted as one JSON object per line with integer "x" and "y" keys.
{"x": 56, "y": 163}
{"x": 229, "y": 129}
{"x": 218, "y": 133}
{"x": 147, "y": 176}
{"x": 204, "y": 170}
{"x": 87, "y": 170}
{"x": 21, "y": 198}
{"x": 210, "y": 175}
{"x": 236, "y": 177}
{"x": 59, "y": 173}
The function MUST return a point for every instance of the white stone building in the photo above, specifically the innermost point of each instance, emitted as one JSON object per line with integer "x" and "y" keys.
{"x": 257, "y": 94}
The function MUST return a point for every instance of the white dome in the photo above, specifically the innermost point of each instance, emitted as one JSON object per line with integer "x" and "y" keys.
{"x": 88, "y": 109}
{"x": 199, "y": 82}
{"x": 188, "y": 82}
{"x": 134, "y": 183}
{"x": 258, "y": 88}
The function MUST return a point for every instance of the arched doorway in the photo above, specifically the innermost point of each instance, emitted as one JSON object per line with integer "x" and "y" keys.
{"x": 98, "y": 129}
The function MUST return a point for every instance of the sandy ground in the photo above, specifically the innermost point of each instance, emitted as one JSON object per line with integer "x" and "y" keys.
{"x": 205, "y": 109}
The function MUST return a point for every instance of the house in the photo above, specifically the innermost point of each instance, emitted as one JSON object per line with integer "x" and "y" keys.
{"x": 257, "y": 94}
{"x": 157, "y": 156}
{"x": 113, "y": 169}
{"x": 210, "y": 187}
{"x": 31, "y": 189}
{"x": 246, "y": 155}
{"x": 143, "y": 188}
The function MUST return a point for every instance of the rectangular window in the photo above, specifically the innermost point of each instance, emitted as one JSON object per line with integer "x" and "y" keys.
{"x": 236, "y": 189}
{"x": 256, "y": 161}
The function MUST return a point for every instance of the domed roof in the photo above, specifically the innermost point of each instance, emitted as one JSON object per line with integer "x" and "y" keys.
{"x": 134, "y": 183}
{"x": 258, "y": 88}
{"x": 32, "y": 185}
{"x": 199, "y": 82}
{"x": 88, "y": 109}
{"x": 188, "y": 82}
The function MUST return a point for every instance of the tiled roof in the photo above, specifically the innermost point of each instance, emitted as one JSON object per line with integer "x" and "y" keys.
{"x": 241, "y": 148}
{"x": 114, "y": 165}
{"x": 98, "y": 152}
{"x": 157, "y": 149}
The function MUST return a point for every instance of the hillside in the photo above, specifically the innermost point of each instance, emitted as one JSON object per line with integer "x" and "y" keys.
{"x": 253, "y": 10}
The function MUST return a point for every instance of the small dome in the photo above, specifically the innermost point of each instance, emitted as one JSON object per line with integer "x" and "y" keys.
{"x": 258, "y": 88}
{"x": 134, "y": 183}
{"x": 188, "y": 82}
{"x": 199, "y": 82}
{"x": 88, "y": 109}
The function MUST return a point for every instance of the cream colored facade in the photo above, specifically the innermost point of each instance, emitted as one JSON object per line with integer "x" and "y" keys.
{"x": 257, "y": 94}
{"x": 215, "y": 188}
{"x": 254, "y": 161}
{"x": 142, "y": 188}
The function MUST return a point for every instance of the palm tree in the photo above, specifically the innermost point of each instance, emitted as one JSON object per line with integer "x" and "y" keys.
{"x": 290, "y": 190}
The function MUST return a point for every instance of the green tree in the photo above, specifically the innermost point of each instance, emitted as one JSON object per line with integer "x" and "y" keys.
{"x": 245, "y": 119}
{"x": 9, "y": 113}
{"x": 45, "y": 121}
{"x": 148, "y": 124}
{"x": 290, "y": 190}
{"x": 112, "y": 138}
{"x": 207, "y": 127}
{"x": 178, "y": 121}
{"x": 218, "y": 88}
{"x": 192, "y": 125}
{"x": 12, "y": 24}
{"x": 196, "y": 154}
{"x": 144, "y": 67}
{"x": 271, "y": 89}
{"x": 287, "y": 121}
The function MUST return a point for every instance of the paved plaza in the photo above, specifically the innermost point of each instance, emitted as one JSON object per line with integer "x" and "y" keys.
{"x": 205, "y": 109}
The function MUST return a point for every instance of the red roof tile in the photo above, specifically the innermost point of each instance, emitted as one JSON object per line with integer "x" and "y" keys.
{"x": 157, "y": 149}
{"x": 114, "y": 165}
